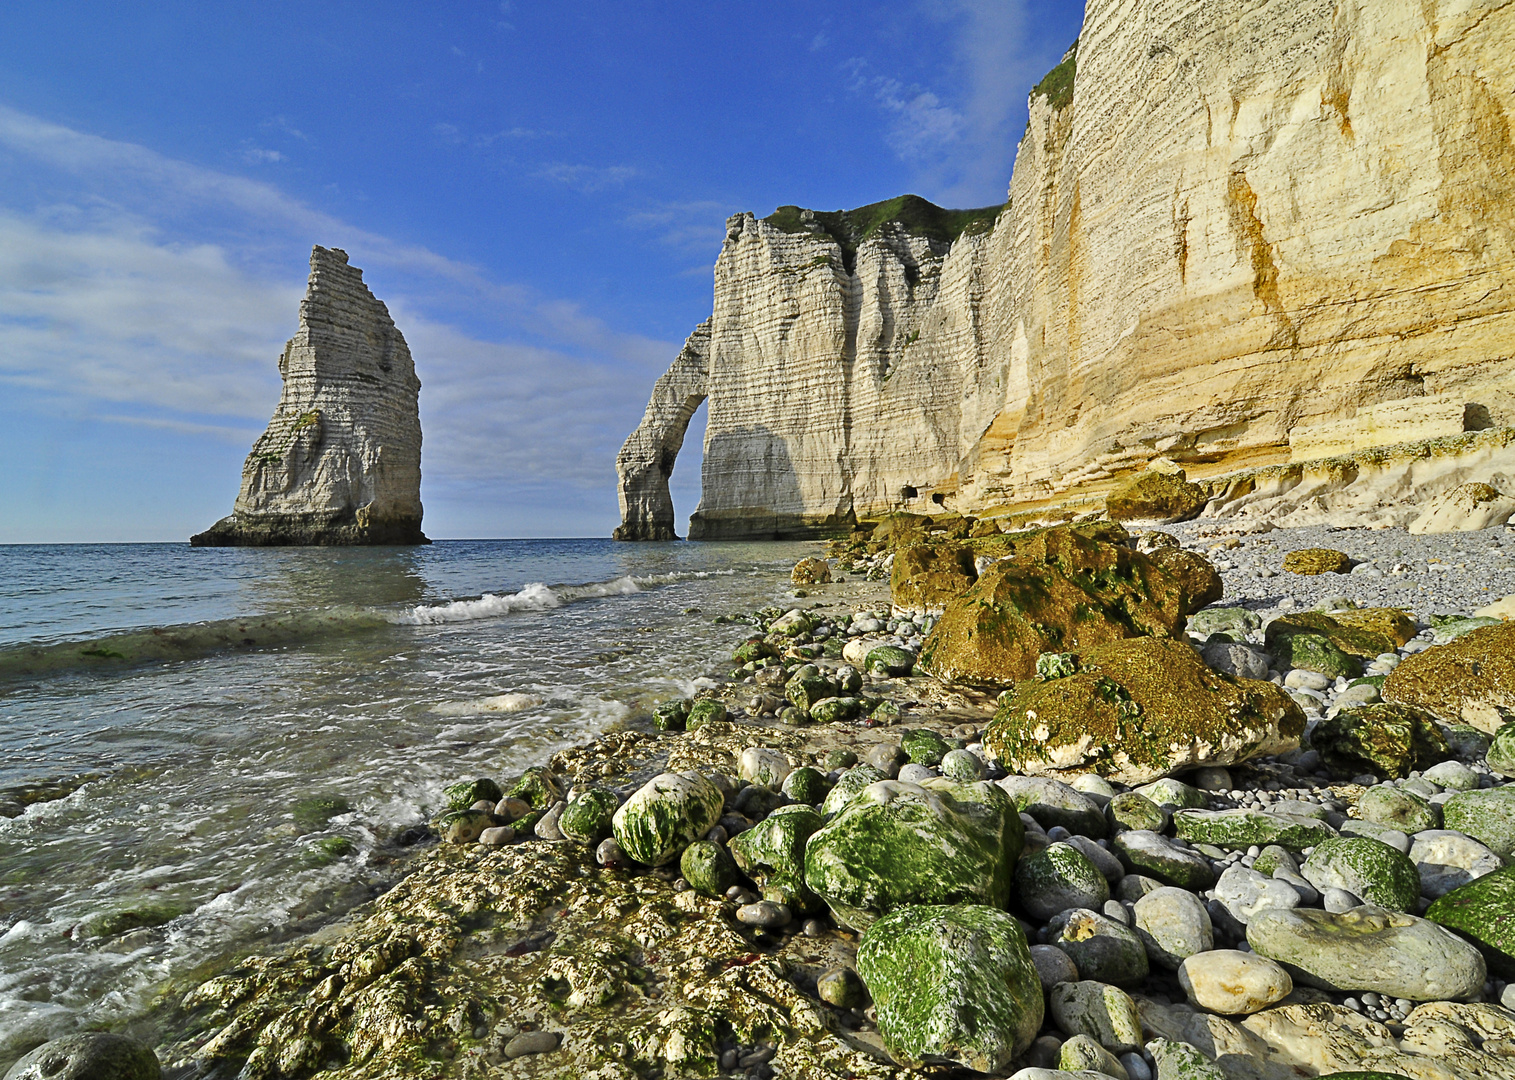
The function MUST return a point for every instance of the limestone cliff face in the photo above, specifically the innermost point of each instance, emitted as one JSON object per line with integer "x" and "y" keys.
{"x": 1245, "y": 232}
{"x": 340, "y": 462}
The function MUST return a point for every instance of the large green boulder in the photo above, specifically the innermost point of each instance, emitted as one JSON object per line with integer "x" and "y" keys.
{"x": 1483, "y": 911}
{"x": 465, "y": 793}
{"x": 1158, "y": 498}
{"x": 537, "y": 786}
{"x": 848, "y": 785}
{"x": 938, "y": 842}
{"x": 1315, "y": 652}
{"x": 952, "y": 985}
{"x": 775, "y": 846}
{"x": 1066, "y": 588}
{"x": 88, "y": 1055}
{"x": 1396, "y": 808}
{"x": 1057, "y": 878}
{"x": 1242, "y": 828}
{"x": 1487, "y": 816}
{"x": 927, "y": 576}
{"x": 1386, "y": 740}
{"x": 1366, "y": 868}
{"x": 708, "y": 868}
{"x": 666, "y": 815}
{"x": 1201, "y": 582}
{"x": 1052, "y": 802}
{"x": 1138, "y": 710}
{"x": 588, "y": 814}
{"x": 1501, "y": 753}
{"x": 924, "y": 747}
{"x": 1469, "y": 681}
{"x": 1362, "y": 634}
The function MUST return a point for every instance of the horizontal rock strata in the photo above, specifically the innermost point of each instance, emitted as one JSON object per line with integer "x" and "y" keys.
{"x": 1239, "y": 234}
{"x": 340, "y": 462}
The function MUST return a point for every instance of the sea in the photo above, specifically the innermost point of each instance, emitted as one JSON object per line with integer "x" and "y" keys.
{"x": 165, "y": 711}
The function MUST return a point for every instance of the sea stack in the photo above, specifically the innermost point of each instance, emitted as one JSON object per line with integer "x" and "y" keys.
{"x": 340, "y": 462}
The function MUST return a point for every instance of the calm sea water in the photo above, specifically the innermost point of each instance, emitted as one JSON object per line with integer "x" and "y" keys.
{"x": 459, "y": 659}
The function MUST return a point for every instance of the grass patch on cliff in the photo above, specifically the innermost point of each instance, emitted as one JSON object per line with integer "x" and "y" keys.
{"x": 1057, "y": 85}
{"x": 849, "y": 228}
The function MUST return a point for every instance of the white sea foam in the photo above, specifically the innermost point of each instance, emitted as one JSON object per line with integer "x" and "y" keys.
{"x": 497, "y": 703}
{"x": 534, "y": 597}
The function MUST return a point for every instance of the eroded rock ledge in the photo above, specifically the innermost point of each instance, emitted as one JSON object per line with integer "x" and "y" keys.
{"x": 340, "y": 462}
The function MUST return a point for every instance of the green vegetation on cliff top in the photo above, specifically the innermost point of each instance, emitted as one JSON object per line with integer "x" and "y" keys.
{"x": 1057, "y": 85}
{"x": 849, "y": 228}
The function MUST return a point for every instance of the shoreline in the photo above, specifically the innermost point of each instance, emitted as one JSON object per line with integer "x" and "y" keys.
{"x": 476, "y": 947}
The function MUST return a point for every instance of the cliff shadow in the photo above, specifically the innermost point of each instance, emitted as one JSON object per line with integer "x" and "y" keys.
{"x": 766, "y": 501}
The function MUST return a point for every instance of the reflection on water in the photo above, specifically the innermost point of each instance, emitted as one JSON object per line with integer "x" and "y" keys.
{"x": 194, "y": 841}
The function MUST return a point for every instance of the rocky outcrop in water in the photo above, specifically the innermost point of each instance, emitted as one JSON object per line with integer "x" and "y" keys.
{"x": 1239, "y": 234}
{"x": 340, "y": 462}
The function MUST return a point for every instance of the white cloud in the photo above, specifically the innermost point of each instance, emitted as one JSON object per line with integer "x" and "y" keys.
{"x": 156, "y": 293}
{"x": 586, "y": 179}
{"x": 697, "y": 226}
{"x": 257, "y": 155}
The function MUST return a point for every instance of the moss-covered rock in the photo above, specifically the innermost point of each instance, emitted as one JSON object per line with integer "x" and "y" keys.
{"x": 1103, "y": 949}
{"x": 1483, "y": 911}
{"x": 314, "y": 812}
{"x": 811, "y": 572}
{"x": 1139, "y": 710}
{"x": 806, "y": 785}
{"x": 671, "y": 715}
{"x": 1390, "y": 624}
{"x": 1469, "y": 681}
{"x": 1386, "y": 740}
{"x": 1052, "y": 802}
{"x": 1366, "y": 868}
{"x": 90, "y": 1055}
{"x": 1386, "y": 804}
{"x": 926, "y": 577}
{"x": 1240, "y": 829}
{"x": 1180, "y": 1061}
{"x": 952, "y": 984}
{"x": 889, "y": 660}
{"x": 1128, "y": 810}
{"x": 708, "y": 868}
{"x": 1201, "y": 582}
{"x": 1175, "y": 793}
{"x": 1235, "y": 621}
{"x": 1487, "y": 816}
{"x": 1355, "y": 641}
{"x": 1315, "y": 652}
{"x": 465, "y": 793}
{"x": 1501, "y": 753}
{"x": 1067, "y": 588}
{"x": 1157, "y": 497}
{"x": 1104, "y": 1013}
{"x": 775, "y": 846}
{"x": 706, "y": 711}
{"x": 924, "y": 747}
{"x": 807, "y": 687}
{"x": 588, "y": 814}
{"x": 132, "y": 917}
{"x": 538, "y": 786}
{"x": 895, "y": 844}
{"x": 836, "y": 710}
{"x": 666, "y": 815}
{"x": 463, "y": 826}
{"x": 854, "y": 780}
{"x": 1057, "y": 878}
{"x": 1149, "y": 854}
{"x": 1314, "y": 561}
{"x": 752, "y": 650}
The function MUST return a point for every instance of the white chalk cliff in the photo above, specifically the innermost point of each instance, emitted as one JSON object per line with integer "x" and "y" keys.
{"x": 1240, "y": 233}
{"x": 340, "y": 462}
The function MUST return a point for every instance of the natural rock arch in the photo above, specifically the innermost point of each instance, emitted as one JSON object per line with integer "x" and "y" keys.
{"x": 647, "y": 458}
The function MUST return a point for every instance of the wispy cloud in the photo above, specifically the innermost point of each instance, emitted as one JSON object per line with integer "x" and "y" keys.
{"x": 258, "y": 155}
{"x": 587, "y": 179}
{"x": 696, "y": 227}
{"x": 156, "y": 293}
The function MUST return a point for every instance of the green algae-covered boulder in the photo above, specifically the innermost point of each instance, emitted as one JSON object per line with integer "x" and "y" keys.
{"x": 1200, "y": 581}
{"x": 89, "y": 1055}
{"x": 1066, "y": 588}
{"x": 889, "y": 660}
{"x": 805, "y": 785}
{"x": 704, "y": 712}
{"x": 896, "y": 843}
{"x": 1469, "y": 681}
{"x": 836, "y": 710}
{"x": 1362, "y": 634}
{"x": 1315, "y": 652}
{"x": 1240, "y": 829}
{"x": 587, "y": 816}
{"x": 538, "y": 787}
{"x": 462, "y": 826}
{"x": 775, "y": 846}
{"x": 1103, "y": 1012}
{"x": 465, "y": 793}
{"x": 1386, "y": 804}
{"x": 1314, "y": 561}
{"x": 1175, "y": 793}
{"x": 753, "y": 649}
{"x": 1177, "y": 1060}
{"x": 708, "y": 869}
{"x": 1394, "y": 627}
{"x": 1483, "y": 911}
{"x": 927, "y": 576}
{"x": 1234, "y": 621}
{"x": 1366, "y": 868}
{"x": 1501, "y": 753}
{"x": 1386, "y": 740}
{"x": 952, "y": 985}
{"x": 1139, "y": 710}
{"x": 671, "y": 715}
{"x": 808, "y": 686}
{"x": 1368, "y": 948}
{"x": 1057, "y": 878}
{"x": 1150, "y": 854}
{"x": 924, "y": 747}
{"x": 848, "y": 785}
{"x": 1487, "y": 816}
{"x": 1128, "y": 810}
{"x": 666, "y": 815}
{"x": 1159, "y": 498}
{"x": 1103, "y": 949}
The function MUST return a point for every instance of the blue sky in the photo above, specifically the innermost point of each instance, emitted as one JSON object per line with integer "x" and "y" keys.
{"x": 537, "y": 191}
